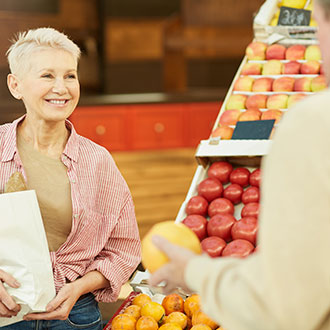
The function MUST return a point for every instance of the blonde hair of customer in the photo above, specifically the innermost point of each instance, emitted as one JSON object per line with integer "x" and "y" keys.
{"x": 37, "y": 39}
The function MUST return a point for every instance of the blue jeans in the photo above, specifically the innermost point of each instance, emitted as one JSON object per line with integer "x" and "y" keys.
{"x": 85, "y": 315}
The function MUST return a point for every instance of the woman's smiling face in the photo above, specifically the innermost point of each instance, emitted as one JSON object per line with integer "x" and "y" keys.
{"x": 49, "y": 87}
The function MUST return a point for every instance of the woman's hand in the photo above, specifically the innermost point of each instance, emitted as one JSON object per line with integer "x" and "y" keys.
{"x": 8, "y": 306}
{"x": 173, "y": 272}
{"x": 60, "y": 307}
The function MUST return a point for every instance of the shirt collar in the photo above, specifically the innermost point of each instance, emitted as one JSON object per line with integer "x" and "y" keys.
{"x": 71, "y": 149}
{"x": 9, "y": 142}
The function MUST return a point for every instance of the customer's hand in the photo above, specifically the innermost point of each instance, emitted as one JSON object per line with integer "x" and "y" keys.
{"x": 60, "y": 307}
{"x": 173, "y": 272}
{"x": 8, "y": 306}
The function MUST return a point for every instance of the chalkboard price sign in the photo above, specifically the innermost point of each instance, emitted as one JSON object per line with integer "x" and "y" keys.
{"x": 294, "y": 17}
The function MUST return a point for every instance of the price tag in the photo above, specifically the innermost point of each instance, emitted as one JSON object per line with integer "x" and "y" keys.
{"x": 294, "y": 17}
{"x": 253, "y": 130}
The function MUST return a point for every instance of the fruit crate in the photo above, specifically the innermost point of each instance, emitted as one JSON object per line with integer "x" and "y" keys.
{"x": 238, "y": 157}
{"x": 127, "y": 302}
{"x": 265, "y": 32}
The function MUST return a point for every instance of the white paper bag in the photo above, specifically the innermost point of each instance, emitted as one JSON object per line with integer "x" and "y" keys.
{"x": 24, "y": 253}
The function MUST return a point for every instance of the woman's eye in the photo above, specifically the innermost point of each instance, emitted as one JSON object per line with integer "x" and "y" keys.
{"x": 47, "y": 75}
{"x": 72, "y": 76}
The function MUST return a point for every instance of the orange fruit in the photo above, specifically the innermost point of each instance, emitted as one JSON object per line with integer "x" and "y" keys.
{"x": 177, "y": 317}
{"x": 173, "y": 303}
{"x": 154, "y": 310}
{"x": 177, "y": 233}
{"x": 170, "y": 326}
{"x": 191, "y": 305}
{"x": 134, "y": 310}
{"x": 146, "y": 323}
{"x": 141, "y": 299}
{"x": 201, "y": 318}
{"x": 123, "y": 322}
{"x": 200, "y": 327}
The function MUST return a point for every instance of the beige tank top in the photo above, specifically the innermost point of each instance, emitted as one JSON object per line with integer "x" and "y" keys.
{"x": 48, "y": 177}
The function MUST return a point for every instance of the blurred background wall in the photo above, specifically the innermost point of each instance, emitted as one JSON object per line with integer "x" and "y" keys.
{"x": 144, "y": 46}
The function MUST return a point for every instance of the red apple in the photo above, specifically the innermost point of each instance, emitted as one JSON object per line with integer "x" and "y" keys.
{"x": 225, "y": 132}
{"x": 243, "y": 84}
{"x": 240, "y": 175}
{"x": 255, "y": 177}
{"x": 250, "y": 114}
{"x": 295, "y": 52}
{"x": 251, "y": 68}
{"x": 256, "y": 101}
{"x": 275, "y": 114}
{"x": 250, "y": 210}
{"x": 256, "y": 50}
{"x": 292, "y": 67}
{"x": 277, "y": 101}
{"x": 310, "y": 67}
{"x": 197, "y": 205}
{"x": 220, "y": 225}
{"x": 213, "y": 246}
{"x": 246, "y": 228}
{"x": 302, "y": 84}
{"x": 210, "y": 189}
{"x": 229, "y": 117}
{"x": 197, "y": 223}
{"x": 275, "y": 52}
{"x": 220, "y": 170}
{"x": 263, "y": 84}
{"x": 233, "y": 192}
{"x": 220, "y": 206}
{"x": 251, "y": 195}
{"x": 283, "y": 84}
{"x": 236, "y": 101}
{"x": 272, "y": 67}
{"x": 239, "y": 248}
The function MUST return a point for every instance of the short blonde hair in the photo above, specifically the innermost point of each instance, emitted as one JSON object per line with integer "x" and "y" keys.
{"x": 27, "y": 42}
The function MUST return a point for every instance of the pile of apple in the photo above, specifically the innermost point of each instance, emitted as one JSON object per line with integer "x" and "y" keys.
{"x": 273, "y": 78}
{"x": 224, "y": 213}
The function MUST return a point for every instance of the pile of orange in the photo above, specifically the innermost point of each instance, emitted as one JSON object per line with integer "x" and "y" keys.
{"x": 174, "y": 313}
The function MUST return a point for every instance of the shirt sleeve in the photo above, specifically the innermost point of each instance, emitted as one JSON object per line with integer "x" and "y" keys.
{"x": 120, "y": 256}
{"x": 285, "y": 285}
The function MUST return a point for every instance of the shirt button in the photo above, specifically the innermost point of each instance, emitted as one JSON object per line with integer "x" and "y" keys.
{"x": 76, "y": 215}
{"x": 73, "y": 181}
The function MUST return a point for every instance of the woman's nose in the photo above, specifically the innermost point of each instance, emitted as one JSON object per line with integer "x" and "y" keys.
{"x": 59, "y": 86}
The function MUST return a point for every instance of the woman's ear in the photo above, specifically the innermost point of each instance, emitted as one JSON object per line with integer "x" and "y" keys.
{"x": 13, "y": 86}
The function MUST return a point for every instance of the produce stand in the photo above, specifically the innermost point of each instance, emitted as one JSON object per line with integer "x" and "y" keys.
{"x": 246, "y": 153}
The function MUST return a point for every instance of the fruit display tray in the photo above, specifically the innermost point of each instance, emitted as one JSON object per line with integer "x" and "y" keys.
{"x": 250, "y": 162}
{"x": 242, "y": 78}
{"x": 127, "y": 302}
{"x": 263, "y": 31}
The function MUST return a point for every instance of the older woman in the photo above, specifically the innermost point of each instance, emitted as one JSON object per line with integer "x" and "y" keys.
{"x": 85, "y": 204}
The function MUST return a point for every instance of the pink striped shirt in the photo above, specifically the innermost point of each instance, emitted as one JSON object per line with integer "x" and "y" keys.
{"x": 104, "y": 234}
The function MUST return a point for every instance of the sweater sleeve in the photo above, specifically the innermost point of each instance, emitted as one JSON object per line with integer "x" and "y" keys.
{"x": 285, "y": 285}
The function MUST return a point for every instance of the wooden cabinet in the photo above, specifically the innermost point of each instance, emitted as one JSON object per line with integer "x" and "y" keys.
{"x": 158, "y": 126}
{"x": 146, "y": 126}
{"x": 104, "y": 125}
